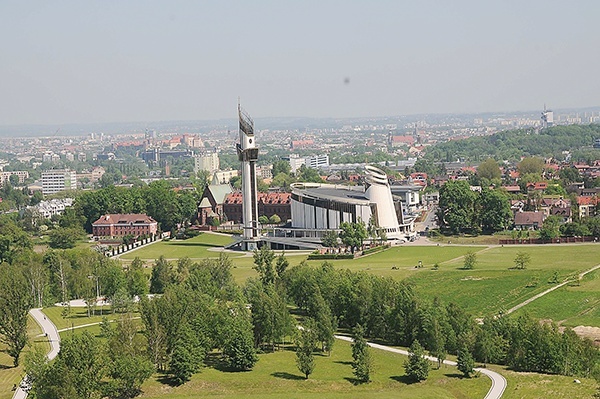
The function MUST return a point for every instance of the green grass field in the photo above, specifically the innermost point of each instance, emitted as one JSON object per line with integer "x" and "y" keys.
{"x": 10, "y": 375}
{"x": 570, "y": 305}
{"x": 194, "y": 248}
{"x": 78, "y": 317}
{"x": 276, "y": 376}
{"x": 493, "y": 285}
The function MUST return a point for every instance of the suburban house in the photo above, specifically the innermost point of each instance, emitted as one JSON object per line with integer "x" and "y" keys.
{"x": 119, "y": 225}
{"x": 557, "y": 207}
{"x": 529, "y": 220}
{"x": 587, "y": 206}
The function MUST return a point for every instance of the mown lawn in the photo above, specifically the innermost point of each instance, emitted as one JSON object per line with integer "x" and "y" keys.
{"x": 9, "y": 375}
{"x": 194, "y": 248}
{"x": 571, "y": 305}
{"x": 493, "y": 285}
{"x": 276, "y": 376}
{"x": 78, "y": 316}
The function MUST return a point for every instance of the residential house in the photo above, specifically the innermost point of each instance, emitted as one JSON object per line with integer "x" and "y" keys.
{"x": 529, "y": 220}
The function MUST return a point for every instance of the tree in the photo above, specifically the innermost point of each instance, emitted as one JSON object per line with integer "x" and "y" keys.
{"x": 161, "y": 276}
{"x": 15, "y": 302}
{"x": 128, "y": 365}
{"x": 470, "y": 260}
{"x": 533, "y": 165}
{"x": 489, "y": 169}
{"x": 362, "y": 363}
{"x": 262, "y": 219}
{"x": 263, "y": 264}
{"x": 305, "y": 345}
{"x": 274, "y": 219}
{"x": 238, "y": 350}
{"x": 188, "y": 354}
{"x": 306, "y": 174}
{"x": 330, "y": 239}
{"x": 77, "y": 372}
{"x": 465, "y": 362}
{"x": 353, "y": 234}
{"x": 281, "y": 166}
{"x": 64, "y": 238}
{"x": 522, "y": 260}
{"x": 137, "y": 281}
{"x": 495, "y": 212}
{"x": 417, "y": 365}
{"x": 550, "y": 228}
{"x": 457, "y": 211}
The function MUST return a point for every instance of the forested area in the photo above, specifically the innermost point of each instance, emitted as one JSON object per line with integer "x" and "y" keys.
{"x": 511, "y": 145}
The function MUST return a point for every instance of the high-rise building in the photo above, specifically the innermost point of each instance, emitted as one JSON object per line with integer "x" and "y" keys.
{"x": 547, "y": 118}
{"x": 56, "y": 180}
{"x": 317, "y": 161}
{"x": 206, "y": 161}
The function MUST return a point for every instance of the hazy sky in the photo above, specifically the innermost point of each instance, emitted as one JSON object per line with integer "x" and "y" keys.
{"x": 113, "y": 61}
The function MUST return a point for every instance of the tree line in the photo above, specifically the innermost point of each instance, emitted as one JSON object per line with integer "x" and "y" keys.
{"x": 157, "y": 199}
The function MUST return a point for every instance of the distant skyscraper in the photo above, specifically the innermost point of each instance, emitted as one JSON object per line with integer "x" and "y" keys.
{"x": 547, "y": 118}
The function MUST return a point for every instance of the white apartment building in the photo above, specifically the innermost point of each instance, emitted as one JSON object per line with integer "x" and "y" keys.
{"x": 317, "y": 161}
{"x": 314, "y": 162}
{"x": 206, "y": 161}
{"x": 56, "y": 180}
{"x": 224, "y": 176}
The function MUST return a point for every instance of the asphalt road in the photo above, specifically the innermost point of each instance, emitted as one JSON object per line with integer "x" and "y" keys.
{"x": 498, "y": 381}
{"x": 52, "y": 333}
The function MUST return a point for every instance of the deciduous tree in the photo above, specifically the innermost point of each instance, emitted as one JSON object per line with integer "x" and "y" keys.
{"x": 15, "y": 302}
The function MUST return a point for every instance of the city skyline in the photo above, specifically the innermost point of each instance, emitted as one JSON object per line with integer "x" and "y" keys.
{"x": 100, "y": 62}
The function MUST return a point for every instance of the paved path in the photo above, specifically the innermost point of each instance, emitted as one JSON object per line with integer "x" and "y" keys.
{"x": 549, "y": 290}
{"x": 50, "y": 329}
{"x": 498, "y": 381}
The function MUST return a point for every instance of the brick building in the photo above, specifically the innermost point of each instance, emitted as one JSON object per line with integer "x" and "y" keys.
{"x": 119, "y": 225}
{"x": 269, "y": 204}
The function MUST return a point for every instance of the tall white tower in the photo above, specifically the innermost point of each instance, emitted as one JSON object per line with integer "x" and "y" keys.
{"x": 248, "y": 154}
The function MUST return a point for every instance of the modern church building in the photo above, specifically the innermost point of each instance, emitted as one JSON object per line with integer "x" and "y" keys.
{"x": 320, "y": 207}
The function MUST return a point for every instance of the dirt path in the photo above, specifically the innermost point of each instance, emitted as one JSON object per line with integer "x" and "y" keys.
{"x": 549, "y": 290}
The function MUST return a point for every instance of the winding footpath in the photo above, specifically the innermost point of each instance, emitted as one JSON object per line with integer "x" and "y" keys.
{"x": 51, "y": 332}
{"x": 498, "y": 381}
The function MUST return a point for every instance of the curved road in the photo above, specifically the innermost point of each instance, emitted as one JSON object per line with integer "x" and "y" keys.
{"x": 498, "y": 381}
{"x": 52, "y": 333}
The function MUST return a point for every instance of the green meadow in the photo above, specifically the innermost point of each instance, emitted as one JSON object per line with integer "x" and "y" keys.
{"x": 194, "y": 248}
